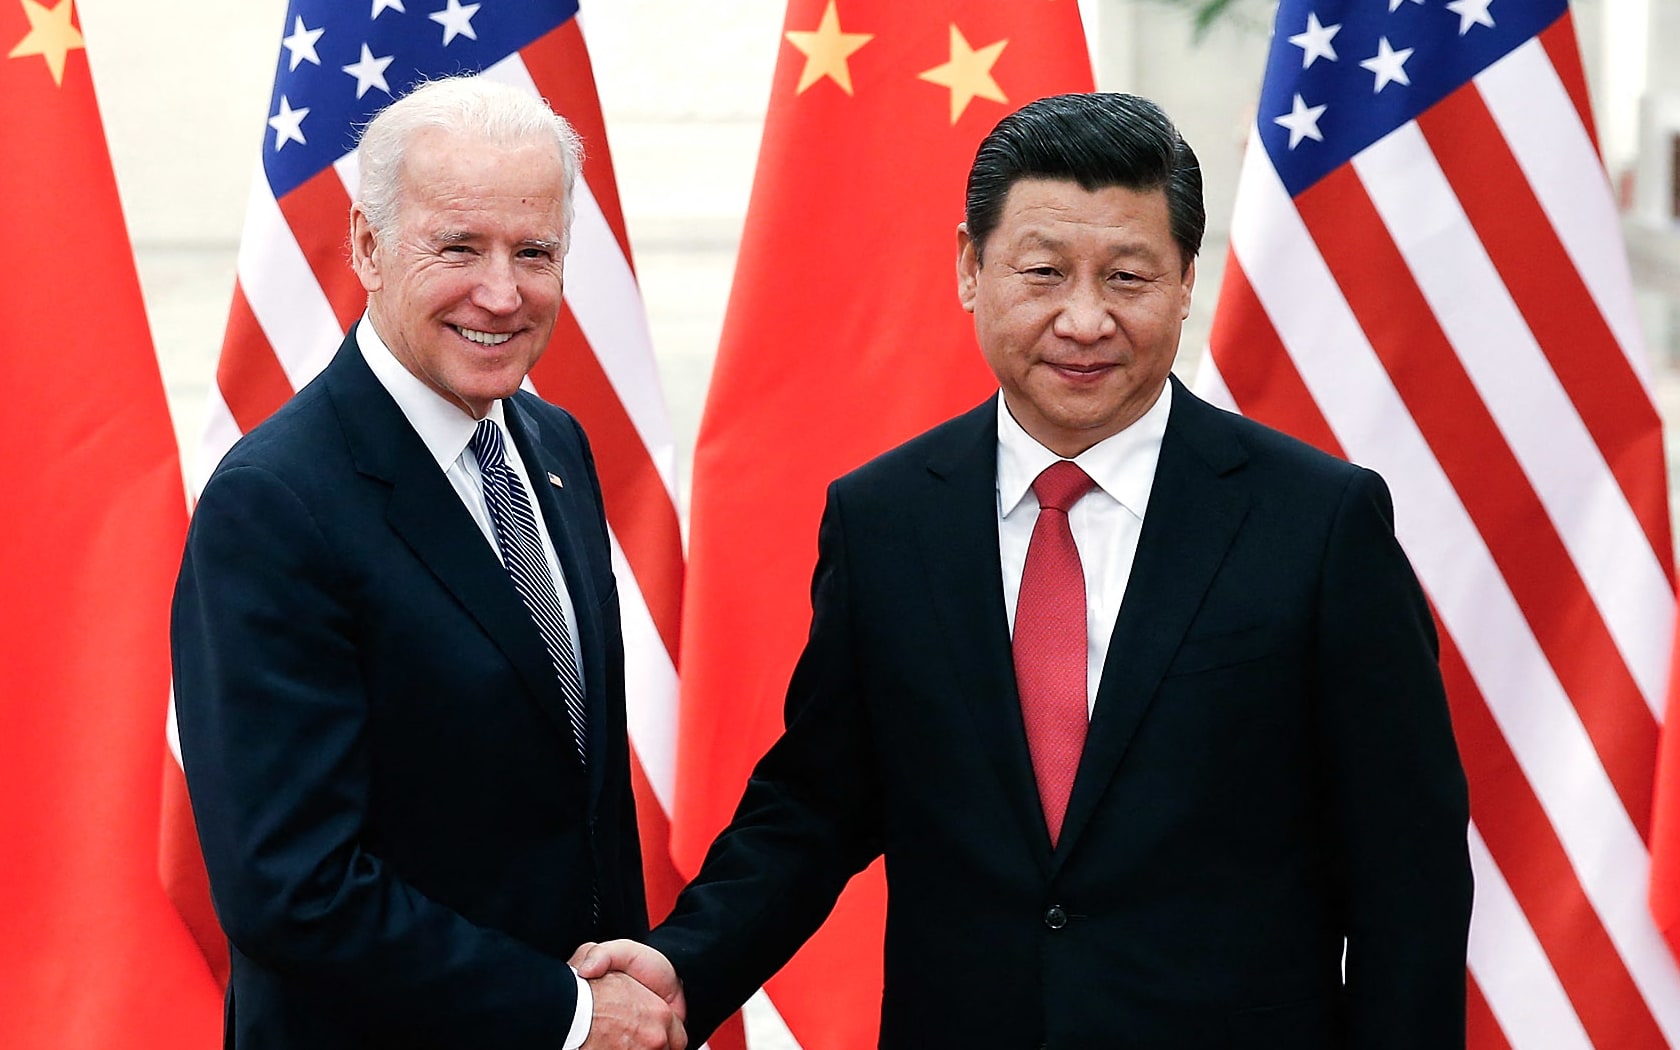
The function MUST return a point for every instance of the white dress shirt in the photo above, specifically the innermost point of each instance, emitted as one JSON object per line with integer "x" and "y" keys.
{"x": 1106, "y": 521}
{"x": 447, "y": 433}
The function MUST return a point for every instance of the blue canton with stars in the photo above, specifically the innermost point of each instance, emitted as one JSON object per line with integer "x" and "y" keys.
{"x": 341, "y": 61}
{"x": 1344, "y": 73}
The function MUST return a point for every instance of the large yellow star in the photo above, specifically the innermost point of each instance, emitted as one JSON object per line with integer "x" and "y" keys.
{"x": 968, "y": 73}
{"x": 50, "y": 35}
{"x": 826, "y": 51}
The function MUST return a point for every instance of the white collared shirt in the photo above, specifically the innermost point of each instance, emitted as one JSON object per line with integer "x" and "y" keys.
{"x": 1106, "y": 521}
{"x": 447, "y": 433}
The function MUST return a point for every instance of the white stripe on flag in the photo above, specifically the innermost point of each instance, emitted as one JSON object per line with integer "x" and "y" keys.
{"x": 1544, "y": 130}
{"x": 281, "y": 288}
{"x": 1511, "y": 968}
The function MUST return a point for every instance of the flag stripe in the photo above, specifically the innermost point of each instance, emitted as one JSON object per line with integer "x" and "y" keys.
{"x": 1455, "y": 422}
{"x": 1521, "y": 841}
{"x": 1262, "y": 378}
{"x": 1539, "y": 120}
{"x": 282, "y": 292}
{"x": 1563, "y": 55}
{"x": 249, "y": 376}
{"x": 318, "y": 212}
{"x": 1578, "y": 345}
{"x": 1481, "y": 1027}
{"x": 1511, "y": 969}
{"x": 652, "y": 676}
{"x": 639, "y": 509}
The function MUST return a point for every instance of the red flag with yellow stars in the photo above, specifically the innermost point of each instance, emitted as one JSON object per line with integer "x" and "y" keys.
{"x": 843, "y": 338}
{"x": 92, "y": 517}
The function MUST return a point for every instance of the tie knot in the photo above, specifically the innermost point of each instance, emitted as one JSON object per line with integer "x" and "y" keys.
{"x": 487, "y": 444}
{"x": 1061, "y": 484}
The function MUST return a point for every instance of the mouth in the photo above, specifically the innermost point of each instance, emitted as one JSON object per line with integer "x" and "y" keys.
{"x": 1079, "y": 369}
{"x": 472, "y": 335}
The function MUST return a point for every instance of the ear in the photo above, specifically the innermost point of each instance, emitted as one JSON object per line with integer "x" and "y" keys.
{"x": 968, "y": 268}
{"x": 1186, "y": 287}
{"x": 363, "y": 244}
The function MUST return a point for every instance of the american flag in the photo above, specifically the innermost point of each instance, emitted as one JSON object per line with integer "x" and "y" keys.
{"x": 295, "y": 296}
{"x": 1426, "y": 275}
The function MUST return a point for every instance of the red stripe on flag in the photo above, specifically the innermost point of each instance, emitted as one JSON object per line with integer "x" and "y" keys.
{"x": 249, "y": 376}
{"x": 1491, "y": 484}
{"x": 1565, "y": 54}
{"x": 1525, "y": 845}
{"x": 318, "y": 212}
{"x": 664, "y": 882}
{"x": 559, "y": 65}
{"x": 181, "y": 866}
{"x": 1257, "y": 368}
{"x": 1556, "y": 304}
{"x": 639, "y": 508}
{"x": 1482, "y": 1029}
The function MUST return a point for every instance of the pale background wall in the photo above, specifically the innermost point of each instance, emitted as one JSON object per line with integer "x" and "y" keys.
{"x": 184, "y": 89}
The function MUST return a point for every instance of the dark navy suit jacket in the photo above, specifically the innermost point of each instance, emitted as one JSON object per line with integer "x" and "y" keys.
{"x": 1270, "y": 772}
{"x": 403, "y": 846}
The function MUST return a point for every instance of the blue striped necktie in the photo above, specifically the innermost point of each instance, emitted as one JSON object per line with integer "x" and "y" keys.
{"x": 522, "y": 555}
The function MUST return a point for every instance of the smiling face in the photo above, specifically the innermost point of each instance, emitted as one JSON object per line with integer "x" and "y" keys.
{"x": 1078, "y": 297}
{"x": 466, "y": 285}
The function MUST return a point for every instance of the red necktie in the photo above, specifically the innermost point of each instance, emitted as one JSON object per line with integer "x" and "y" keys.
{"x": 1050, "y": 642}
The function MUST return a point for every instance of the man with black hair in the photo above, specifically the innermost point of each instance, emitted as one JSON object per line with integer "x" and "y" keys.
{"x": 1139, "y": 699}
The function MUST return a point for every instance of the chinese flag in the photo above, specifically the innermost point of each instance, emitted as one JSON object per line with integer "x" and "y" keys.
{"x": 92, "y": 515}
{"x": 843, "y": 338}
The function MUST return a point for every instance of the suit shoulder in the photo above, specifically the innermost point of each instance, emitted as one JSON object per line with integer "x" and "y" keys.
{"x": 1258, "y": 446}
{"x": 940, "y": 443}
{"x": 293, "y": 440}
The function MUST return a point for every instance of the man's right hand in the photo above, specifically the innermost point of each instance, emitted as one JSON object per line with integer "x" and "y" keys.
{"x": 629, "y": 1017}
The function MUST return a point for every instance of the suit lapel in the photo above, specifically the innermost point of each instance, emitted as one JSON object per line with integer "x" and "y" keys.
{"x": 564, "y": 508}
{"x": 425, "y": 511}
{"x": 1195, "y": 509}
{"x": 957, "y": 524}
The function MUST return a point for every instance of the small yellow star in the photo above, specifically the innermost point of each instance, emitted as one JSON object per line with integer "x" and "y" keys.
{"x": 968, "y": 73}
{"x": 50, "y": 35}
{"x": 826, "y": 51}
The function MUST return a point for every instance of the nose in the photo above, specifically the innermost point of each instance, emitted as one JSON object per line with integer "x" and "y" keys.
{"x": 1085, "y": 316}
{"x": 497, "y": 290}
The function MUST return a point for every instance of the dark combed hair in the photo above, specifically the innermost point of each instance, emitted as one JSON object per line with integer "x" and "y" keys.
{"x": 1097, "y": 140}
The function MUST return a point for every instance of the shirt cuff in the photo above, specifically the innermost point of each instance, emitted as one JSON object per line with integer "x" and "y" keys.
{"x": 585, "y": 1014}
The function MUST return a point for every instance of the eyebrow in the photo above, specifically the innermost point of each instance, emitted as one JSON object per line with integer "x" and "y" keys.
{"x": 447, "y": 237}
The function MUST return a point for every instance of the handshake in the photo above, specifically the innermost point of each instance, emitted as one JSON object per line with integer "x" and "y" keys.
{"x": 638, "y": 997}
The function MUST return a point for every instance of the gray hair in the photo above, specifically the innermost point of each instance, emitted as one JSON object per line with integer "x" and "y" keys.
{"x": 502, "y": 113}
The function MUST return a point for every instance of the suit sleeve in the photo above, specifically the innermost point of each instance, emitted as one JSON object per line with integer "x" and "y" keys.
{"x": 274, "y": 721}
{"x": 1398, "y": 795}
{"x": 808, "y": 821}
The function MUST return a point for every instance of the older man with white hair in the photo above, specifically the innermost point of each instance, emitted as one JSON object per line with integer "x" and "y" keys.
{"x": 398, "y": 663}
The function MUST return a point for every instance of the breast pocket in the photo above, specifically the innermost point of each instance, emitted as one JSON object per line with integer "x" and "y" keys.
{"x": 1226, "y": 648}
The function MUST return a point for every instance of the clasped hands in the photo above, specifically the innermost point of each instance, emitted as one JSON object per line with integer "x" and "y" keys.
{"x": 638, "y": 998}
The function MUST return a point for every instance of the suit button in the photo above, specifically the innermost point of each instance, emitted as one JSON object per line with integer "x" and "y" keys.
{"x": 1055, "y": 918}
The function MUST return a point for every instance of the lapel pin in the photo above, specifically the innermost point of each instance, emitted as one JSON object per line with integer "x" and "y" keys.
{"x": 554, "y": 479}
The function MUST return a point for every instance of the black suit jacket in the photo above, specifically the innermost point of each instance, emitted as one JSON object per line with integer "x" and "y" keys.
{"x": 1269, "y": 770}
{"x": 401, "y": 841}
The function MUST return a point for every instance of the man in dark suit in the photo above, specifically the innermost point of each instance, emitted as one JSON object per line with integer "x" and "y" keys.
{"x": 1138, "y": 698}
{"x": 398, "y": 669}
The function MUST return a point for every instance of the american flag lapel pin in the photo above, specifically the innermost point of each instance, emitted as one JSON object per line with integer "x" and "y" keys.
{"x": 554, "y": 479}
